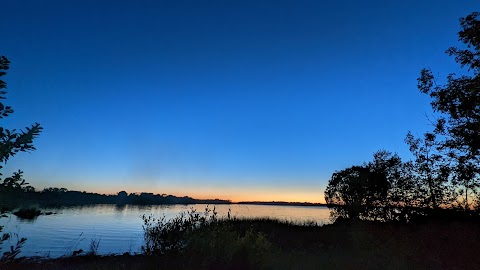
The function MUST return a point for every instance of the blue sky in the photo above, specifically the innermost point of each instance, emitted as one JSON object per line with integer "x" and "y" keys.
{"x": 242, "y": 100}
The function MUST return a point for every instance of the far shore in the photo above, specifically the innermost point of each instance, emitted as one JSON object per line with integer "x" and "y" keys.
{"x": 280, "y": 203}
{"x": 58, "y": 197}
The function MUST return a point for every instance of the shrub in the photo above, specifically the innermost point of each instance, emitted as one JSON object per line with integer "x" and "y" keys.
{"x": 205, "y": 241}
{"x": 162, "y": 235}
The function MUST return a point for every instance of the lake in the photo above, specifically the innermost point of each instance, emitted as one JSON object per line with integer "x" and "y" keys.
{"x": 118, "y": 229}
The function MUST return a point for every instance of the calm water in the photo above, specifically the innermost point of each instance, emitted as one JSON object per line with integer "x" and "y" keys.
{"x": 119, "y": 229}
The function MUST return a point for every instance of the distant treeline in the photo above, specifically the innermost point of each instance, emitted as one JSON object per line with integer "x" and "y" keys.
{"x": 51, "y": 197}
{"x": 283, "y": 203}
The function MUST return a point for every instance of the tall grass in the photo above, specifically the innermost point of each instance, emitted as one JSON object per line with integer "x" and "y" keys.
{"x": 13, "y": 251}
{"x": 163, "y": 235}
{"x": 94, "y": 244}
{"x": 204, "y": 239}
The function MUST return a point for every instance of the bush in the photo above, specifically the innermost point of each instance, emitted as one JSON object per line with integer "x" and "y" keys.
{"x": 162, "y": 235}
{"x": 205, "y": 241}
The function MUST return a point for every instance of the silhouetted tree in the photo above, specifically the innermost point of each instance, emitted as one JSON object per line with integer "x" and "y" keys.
{"x": 54, "y": 190}
{"x": 404, "y": 191}
{"x": 458, "y": 102}
{"x": 369, "y": 190}
{"x": 382, "y": 189}
{"x": 29, "y": 189}
{"x": 347, "y": 191}
{"x": 11, "y": 143}
{"x": 399, "y": 187}
{"x": 122, "y": 197}
{"x": 430, "y": 171}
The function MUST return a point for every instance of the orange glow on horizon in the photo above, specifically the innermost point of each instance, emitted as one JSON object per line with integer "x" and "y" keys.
{"x": 267, "y": 194}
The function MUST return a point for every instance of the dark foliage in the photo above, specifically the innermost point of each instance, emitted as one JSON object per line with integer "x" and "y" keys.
{"x": 370, "y": 191}
{"x": 430, "y": 172}
{"x": 445, "y": 170}
{"x": 57, "y": 197}
{"x": 458, "y": 103}
{"x": 12, "y": 142}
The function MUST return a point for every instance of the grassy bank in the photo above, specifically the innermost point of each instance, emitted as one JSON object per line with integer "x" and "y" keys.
{"x": 271, "y": 244}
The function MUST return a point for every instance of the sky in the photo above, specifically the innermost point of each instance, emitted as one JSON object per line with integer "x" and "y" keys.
{"x": 239, "y": 100}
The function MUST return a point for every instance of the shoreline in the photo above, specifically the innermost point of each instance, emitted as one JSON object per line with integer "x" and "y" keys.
{"x": 434, "y": 244}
